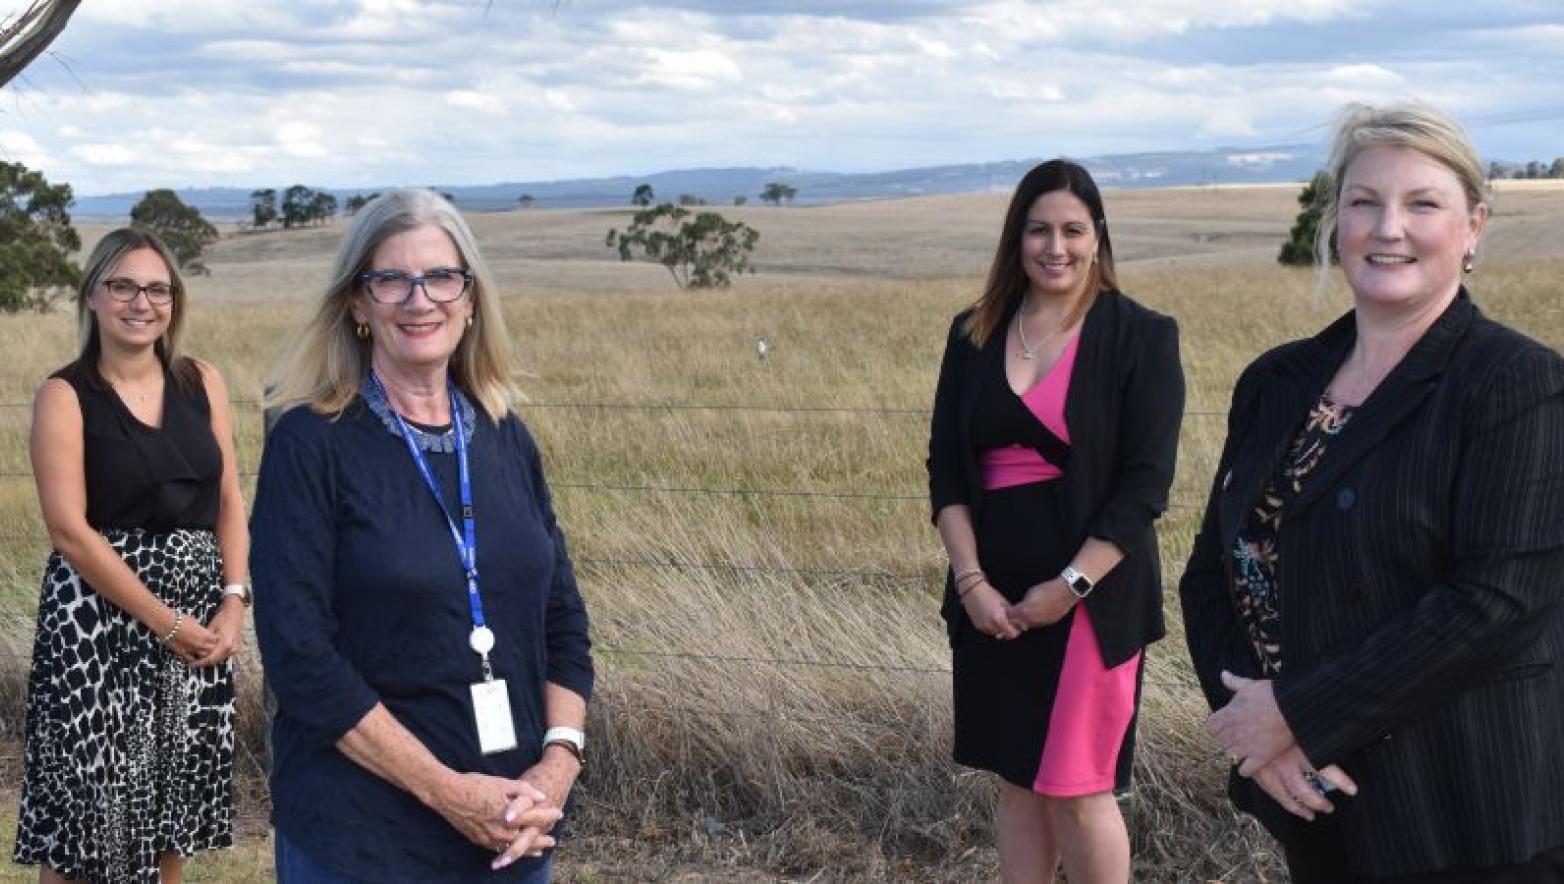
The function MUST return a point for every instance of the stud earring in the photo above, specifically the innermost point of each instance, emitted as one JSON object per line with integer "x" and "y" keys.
{"x": 362, "y": 330}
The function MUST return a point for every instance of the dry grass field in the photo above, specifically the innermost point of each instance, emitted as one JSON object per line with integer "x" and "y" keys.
{"x": 753, "y": 537}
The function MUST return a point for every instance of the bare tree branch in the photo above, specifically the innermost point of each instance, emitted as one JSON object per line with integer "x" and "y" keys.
{"x": 30, "y": 34}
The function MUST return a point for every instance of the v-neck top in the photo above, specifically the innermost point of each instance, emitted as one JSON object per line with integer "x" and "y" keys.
{"x": 1003, "y": 423}
{"x": 139, "y": 476}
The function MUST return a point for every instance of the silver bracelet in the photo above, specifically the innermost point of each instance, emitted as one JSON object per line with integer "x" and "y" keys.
{"x": 179, "y": 620}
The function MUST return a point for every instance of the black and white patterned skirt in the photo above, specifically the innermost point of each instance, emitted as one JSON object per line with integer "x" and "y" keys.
{"x": 129, "y": 752}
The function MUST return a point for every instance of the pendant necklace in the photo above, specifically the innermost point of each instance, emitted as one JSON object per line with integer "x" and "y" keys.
{"x": 1029, "y": 351}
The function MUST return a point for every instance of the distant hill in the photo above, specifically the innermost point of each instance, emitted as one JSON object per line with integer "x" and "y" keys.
{"x": 1282, "y": 163}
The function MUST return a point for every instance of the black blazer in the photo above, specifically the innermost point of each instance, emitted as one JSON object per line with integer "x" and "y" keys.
{"x": 1124, "y": 406}
{"x": 1423, "y": 567}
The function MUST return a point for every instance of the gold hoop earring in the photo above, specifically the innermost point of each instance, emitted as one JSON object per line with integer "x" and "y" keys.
{"x": 362, "y": 330}
{"x": 469, "y": 320}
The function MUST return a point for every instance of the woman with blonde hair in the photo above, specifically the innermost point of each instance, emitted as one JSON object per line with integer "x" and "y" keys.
{"x": 417, "y": 612}
{"x": 128, "y": 757}
{"x": 1373, "y": 601}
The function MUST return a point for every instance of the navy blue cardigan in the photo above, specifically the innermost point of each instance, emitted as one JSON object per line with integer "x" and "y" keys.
{"x": 359, "y": 599}
{"x": 1124, "y": 407}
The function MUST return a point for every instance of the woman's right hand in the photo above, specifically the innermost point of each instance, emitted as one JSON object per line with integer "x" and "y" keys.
{"x": 475, "y": 805}
{"x": 193, "y": 642}
{"x": 989, "y": 611}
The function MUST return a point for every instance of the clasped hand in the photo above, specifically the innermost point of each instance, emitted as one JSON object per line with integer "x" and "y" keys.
{"x": 511, "y": 817}
{"x": 1043, "y": 605}
{"x": 1253, "y": 733}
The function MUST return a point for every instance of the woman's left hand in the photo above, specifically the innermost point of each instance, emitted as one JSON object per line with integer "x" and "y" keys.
{"x": 228, "y": 625}
{"x": 1043, "y": 605}
{"x": 1250, "y": 728}
{"x": 554, "y": 775}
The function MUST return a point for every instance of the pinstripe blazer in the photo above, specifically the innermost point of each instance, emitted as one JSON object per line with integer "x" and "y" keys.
{"x": 1422, "y": 574}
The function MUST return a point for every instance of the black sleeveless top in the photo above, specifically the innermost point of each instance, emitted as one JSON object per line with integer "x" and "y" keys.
{"x": 154, "y": 478}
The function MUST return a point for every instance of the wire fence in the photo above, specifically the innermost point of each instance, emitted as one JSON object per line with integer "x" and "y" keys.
{"x": 927, "y": 580}
{"x": 675, "y": 406}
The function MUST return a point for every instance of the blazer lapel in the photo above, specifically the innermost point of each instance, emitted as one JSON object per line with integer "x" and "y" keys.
{"x": 1398, "y": 396}
{"x": 983, "y": 365}
{"x": 1295, "y": 384}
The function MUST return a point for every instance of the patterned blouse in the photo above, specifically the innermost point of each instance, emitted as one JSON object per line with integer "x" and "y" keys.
{"x": 1257, "y": 563}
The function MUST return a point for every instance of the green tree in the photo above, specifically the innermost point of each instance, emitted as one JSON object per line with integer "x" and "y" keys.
{"x": 1557, "y": 169}
{"x": 777, "y": 193}
{"x": 740, "y": 200}
{"x": 700, "y": 252}
{"x": 358, "y": 201}
{"x": 263, "y": 207}
{"x": 690, "y": 199}
{"x": 642, "y": 196}
{"x": 296, "y": 205}
{"x": 321, "y": 207}
{"x": 36, "y": 240}
{"x": 180, "y": 226}
{"x": 1298, "y": 250}
{"x": 525, "y": 201}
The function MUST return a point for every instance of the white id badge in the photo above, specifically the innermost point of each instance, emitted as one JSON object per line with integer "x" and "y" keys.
{"x": 491, "y": 709}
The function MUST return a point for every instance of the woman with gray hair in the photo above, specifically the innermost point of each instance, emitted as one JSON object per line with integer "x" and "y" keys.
{"x": 418, "y": 614}
{"x": 1373, "y": 602}
{"x": 128, "y": 759}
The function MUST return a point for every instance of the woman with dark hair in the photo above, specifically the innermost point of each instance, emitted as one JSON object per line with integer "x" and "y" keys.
{"x": 1051, "y": 451}
{"x": 129, "y": 743}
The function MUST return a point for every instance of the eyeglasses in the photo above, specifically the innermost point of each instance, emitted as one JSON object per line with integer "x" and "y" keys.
{"x": 441, "y": 285}
{"x": 159, "y": 294}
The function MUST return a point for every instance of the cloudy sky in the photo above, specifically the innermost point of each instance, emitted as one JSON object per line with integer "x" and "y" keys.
{"x": 350, "y": 93}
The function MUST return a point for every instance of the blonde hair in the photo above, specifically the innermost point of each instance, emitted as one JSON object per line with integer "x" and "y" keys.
{"x": 326, "y": 368}
{"x": 101, "y": 264}
{"x": 1412, "y": 125}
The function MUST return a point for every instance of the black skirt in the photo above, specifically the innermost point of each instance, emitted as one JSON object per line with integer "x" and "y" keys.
{"x": 1004, "y": 690}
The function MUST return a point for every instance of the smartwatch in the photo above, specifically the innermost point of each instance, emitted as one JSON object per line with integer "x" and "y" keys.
{"x": 1079, "y": 583}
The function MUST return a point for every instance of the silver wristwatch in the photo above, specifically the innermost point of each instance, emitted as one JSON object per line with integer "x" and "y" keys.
{"x": 1078, "y": 583}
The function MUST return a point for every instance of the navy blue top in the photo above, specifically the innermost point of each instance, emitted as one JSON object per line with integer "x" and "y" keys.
{"x": 359, "y": 598}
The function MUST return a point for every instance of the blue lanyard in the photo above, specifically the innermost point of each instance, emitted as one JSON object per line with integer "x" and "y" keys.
{"x": 466, "y": 538}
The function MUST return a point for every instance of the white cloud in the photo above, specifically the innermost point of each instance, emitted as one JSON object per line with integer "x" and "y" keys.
{"x": 300, "y": 139}
{"x": 482, "y": 102}
{"x": 20, "y": 147}
{"x": 696, "y": 70}
{"x": 1364, "y": 75}
{"x": 104, "y": 154}
{"x": 363, "y": 92}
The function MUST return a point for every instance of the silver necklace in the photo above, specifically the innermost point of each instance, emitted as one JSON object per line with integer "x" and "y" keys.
{"x": 1027, "y": 350}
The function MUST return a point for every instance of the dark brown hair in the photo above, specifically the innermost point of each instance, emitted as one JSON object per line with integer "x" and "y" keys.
{"x": 101, "y": 264}
{"x": 1007, "y": 279}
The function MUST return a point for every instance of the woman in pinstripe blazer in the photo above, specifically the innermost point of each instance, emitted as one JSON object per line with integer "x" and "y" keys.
{"x": 1373, "y": 601}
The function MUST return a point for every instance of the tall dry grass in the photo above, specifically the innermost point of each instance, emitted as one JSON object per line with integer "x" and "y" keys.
{"x": 761, "y": 573}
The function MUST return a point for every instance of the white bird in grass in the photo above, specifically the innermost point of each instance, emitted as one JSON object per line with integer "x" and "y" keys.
{"x": 762, "y": 348}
